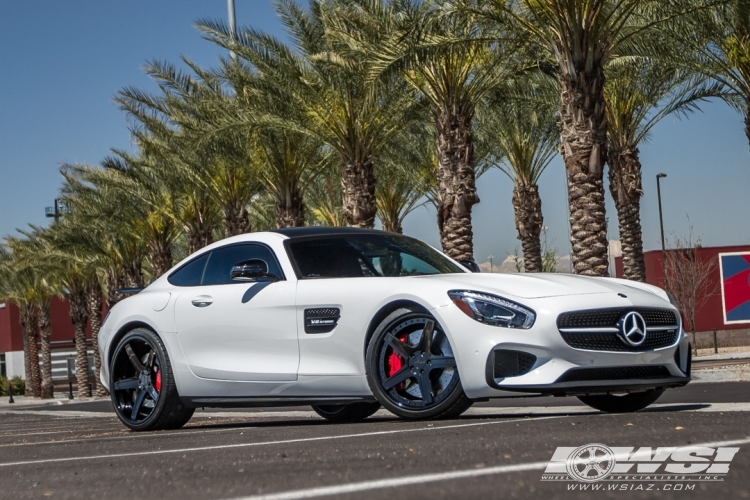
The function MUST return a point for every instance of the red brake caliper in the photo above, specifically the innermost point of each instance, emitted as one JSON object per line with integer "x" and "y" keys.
{"x": 395, "y": 363}
{"x": 157, "y": 383}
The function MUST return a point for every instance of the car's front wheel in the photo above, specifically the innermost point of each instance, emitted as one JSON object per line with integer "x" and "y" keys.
{"x": 411, "y": 368}
{"x": 142, "y": 384}
{"x": 625, "y": 403}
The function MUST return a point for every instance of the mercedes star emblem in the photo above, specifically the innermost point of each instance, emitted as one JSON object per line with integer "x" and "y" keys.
{"x": 633, "y": 329}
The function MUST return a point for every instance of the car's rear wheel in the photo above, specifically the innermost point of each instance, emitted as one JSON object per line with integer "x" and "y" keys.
{"x": 625, "y": 403}
{"x": 346, "y": 413}
{"x": 142, "y": 385}
{"x": 411, "y": 368}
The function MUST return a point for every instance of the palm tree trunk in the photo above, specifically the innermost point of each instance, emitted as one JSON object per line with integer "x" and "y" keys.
{"x": 392, "y": 225}
{"x": 290, "y": 208}
{"x": 626, "y": 189}
{"x": 134, "y": 274}
{"x": 114, "y": 281}
{"x": 77, "y": 299}
{"x": 28, "y": 386}
{"x": 583, "y": 137}
{"x": 28, "y": 319}
{"x": 94, "y": 310}
{"x": 198, "y": 238}
{"x": 358, "y": 192}
{"x": 747, "y": 122}
{"x": 456, "y": 182}
{"x": 527, "y": 206}
{"x": 236, "y": 220}
{"x": 45, "y": 331}
{"x": 161, "y": 259}
{"x": 199, "y": 227}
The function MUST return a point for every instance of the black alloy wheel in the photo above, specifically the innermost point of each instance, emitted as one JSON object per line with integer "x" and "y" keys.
{"x": 411, "y": 368}
{"x": 142, "y": 384}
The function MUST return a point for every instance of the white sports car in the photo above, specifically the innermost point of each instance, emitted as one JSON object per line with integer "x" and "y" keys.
{"x": 347, "y": 320}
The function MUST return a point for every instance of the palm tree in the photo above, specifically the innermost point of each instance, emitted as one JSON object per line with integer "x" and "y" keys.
{"x": 31, "y": 255}
{"x": 719, "y": 43}
{"x": 580, "y": 37}
{"x": 173, "y": 128}
{"x": 452, "y": 77}
{"x": 20, "y": 284}
{"x": 522, "y": 120}
{"x": 318, "y": 88}
{"x": 407, "y": 167}
{"x": 639, "y": 93}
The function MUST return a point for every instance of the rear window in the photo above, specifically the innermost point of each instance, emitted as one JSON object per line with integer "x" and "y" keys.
{"x": 356, "y": 256}
{"x": 191, "y": 273}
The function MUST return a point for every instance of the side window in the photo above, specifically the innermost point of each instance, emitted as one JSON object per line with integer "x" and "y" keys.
{"x": 223, "y": 259}
{"x": 191, "y": 273}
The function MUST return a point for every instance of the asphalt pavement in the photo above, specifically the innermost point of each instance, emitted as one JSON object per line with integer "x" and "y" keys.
{"x": 499, "y": 449}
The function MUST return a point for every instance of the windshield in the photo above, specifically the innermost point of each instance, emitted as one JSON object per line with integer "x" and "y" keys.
{"x": 356, "y": 256}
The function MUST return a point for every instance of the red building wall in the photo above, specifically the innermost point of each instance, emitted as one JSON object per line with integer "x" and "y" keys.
{"x": 11, "y": 337}
{"x": 711, "y": 315}
{"x": 10, "y": 329}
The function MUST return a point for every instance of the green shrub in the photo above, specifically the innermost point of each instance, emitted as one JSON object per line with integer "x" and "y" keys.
{"x": 19, "y": 386}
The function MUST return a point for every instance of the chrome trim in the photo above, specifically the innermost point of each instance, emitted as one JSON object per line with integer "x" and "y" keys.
{"x": 612, "y": 329}
{"x": 601, "y": 329}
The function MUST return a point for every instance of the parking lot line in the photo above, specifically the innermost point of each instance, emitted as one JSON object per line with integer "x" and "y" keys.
{"x": 363, "y": 486}
{"x": 266, "y": 443}
{"x": 129, "y": 436}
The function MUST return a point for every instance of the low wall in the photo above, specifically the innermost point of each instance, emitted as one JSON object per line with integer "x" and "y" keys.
{"x": 725, "y": 338}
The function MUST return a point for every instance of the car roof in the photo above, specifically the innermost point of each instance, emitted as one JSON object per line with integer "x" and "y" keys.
{"x": 302, "y": 232}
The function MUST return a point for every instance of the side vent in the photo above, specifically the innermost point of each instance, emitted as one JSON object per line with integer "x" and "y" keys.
{"x": 322, "y": 320}
{"x": 512, "y": 363}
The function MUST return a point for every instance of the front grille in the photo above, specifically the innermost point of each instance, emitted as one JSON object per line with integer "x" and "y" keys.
{"x": 614, "y": 373}
{"x": 321, "y": 320}
{"x": 512, "y": 363}
{"x": 611, "y": 342}
{"x": 610, "y": 317}
{"x": 594, "y": 340}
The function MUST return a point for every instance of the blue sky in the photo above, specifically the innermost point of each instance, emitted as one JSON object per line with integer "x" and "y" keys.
{"x": 63, "y": 61}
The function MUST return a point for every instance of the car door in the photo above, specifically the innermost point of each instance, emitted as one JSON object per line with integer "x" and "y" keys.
{"x": 334, "y": 306}
{"x": 238, "y": 331}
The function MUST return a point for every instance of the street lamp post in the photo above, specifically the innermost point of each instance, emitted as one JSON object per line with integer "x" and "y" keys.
{"x": 492, "y": 270}
{"x": 53, "y": 211}
{"x": 661, "y": 227}
{"x": 232, "y": 26}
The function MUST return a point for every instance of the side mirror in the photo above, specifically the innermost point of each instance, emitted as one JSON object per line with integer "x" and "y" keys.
{"x": 471, "y": 266}
{"x": 251, "y": 270}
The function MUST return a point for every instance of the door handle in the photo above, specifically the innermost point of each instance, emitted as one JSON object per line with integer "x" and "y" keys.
{"x": 202, "y": 301}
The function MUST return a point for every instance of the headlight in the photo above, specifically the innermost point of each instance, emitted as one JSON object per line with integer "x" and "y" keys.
{"x": 492, "y": 310}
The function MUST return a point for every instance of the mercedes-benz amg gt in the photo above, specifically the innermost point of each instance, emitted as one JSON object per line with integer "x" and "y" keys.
{"x": 349, "y": 320}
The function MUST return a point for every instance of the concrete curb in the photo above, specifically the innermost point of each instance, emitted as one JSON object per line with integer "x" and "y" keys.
{"x": 737, "y": 373}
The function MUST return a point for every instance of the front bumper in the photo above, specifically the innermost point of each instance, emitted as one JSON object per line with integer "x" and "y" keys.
{"x": 557, "y": 368}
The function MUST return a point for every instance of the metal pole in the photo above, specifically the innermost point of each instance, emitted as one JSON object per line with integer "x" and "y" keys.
{"x": 492, "y": 269}
{"x": 661, "y": 227}
{"x": 232, "y": 25}
{"x": 716, "y": 344}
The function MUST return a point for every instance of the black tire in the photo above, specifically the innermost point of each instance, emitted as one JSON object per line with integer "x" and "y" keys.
{"x": 142, "y": 385}
{"x": 346, "y": 413}
{"x": 427, "y": 365}
{"x": 626, "y": 403}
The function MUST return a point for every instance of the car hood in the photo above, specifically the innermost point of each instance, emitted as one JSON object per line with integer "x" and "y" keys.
{"x": 534, "y": 286}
